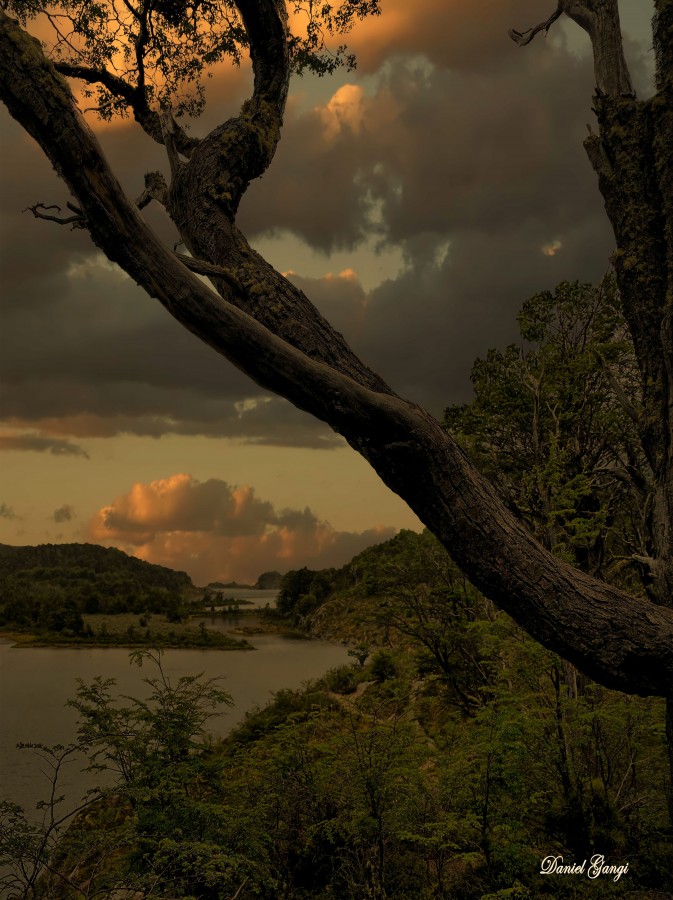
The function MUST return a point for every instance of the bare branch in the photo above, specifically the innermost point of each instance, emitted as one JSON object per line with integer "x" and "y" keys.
{"x": 155, "y": 189}
{"x": 78, "y": 220}
{"x": 647, "y": 561}
{"x": 619, "y": 391}
{"x": 168, "y": 132}
{"x": 522, "y": 38}
{"x": 601, "y": 23}
{"x": 201, "y": 267}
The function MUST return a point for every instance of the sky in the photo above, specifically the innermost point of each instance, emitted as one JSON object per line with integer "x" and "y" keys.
{"x": 418, "y": 201}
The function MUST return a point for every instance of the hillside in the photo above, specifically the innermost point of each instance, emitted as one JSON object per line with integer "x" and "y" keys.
{"x": 51, "y": 585}
{"x": 350, "y": 603}
{"x": 443, "y": 764}
{"x": 82, "y": 561}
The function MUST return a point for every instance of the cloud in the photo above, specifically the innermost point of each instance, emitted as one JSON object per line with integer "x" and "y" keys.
{"x": 451, "y": 145}
{"x": 40, "y": 444}
{"x": 65, "y": 513}
{"x": 6, "y": 512}
{"x": 461, "y": 36}
{"x": 216, "y": 531}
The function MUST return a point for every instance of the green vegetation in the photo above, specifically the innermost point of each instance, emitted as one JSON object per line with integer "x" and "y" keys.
{"x": 86, "y": 595}
{"x": 48, "y": 590}
{"x": 126, "y": 630}
{"x": 365, "y": 784}
{"x": 553, "y": 426}
{"x": 454, "y": 754}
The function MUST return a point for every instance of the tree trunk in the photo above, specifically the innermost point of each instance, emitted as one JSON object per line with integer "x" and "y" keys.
{"x": 621, "y": 641}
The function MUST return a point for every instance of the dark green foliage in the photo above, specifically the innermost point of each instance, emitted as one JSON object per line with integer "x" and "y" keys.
{"x": 302, "y": 591}
{"x": 383, "y": 666}
{"x": 388, "y": 792}
{"x": 343, "y": 680}
{"x": 552, "y": 426}
{"x": 48, "y": 588}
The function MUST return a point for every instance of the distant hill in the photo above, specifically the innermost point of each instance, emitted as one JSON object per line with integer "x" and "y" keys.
{"x": 267, "y": 581}
{"x": 83, "y": 560}
{"x": 83, "y": 578}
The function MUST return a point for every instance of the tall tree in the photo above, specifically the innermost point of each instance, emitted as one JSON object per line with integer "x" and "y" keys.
{"x": 270, "y": 330}
{"x": 553, "y": 425}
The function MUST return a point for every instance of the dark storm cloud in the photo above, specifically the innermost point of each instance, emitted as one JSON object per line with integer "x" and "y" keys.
{"x": 467, "y": 303}
{"x": 461, "y": 36}
{"x": 85, "y": 352}
{"x": 40, "y": 444}
{"x": 465, "y": 153}
{"x": 434, "y": 150}
{"x": 479, "y": 177}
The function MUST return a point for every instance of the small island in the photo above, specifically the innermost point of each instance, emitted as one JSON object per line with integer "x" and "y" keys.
{"x": 84, "y": 595}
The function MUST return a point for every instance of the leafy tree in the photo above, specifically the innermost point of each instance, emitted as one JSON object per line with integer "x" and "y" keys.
{"x": 388, "y": 793}
{"x": 301, "y": 590}
{"x": 283, "y": 336}
{"x": 552, "y": 424}
{"x": 157, "y": 823}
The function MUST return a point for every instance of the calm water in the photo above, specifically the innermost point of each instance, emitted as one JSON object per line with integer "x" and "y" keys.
{"x": 254, "y": 599}
{"x": 35, "y": 684}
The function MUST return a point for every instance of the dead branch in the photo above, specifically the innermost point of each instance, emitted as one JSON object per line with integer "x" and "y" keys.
{"x": 78, "y": 220}
{"x": 522, "y": 38}
{"x": 155, "y": 189}
{"x": 202, "y": 267}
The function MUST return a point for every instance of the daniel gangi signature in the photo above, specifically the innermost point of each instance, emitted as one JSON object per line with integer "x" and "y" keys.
{"x": 592, "y": 868}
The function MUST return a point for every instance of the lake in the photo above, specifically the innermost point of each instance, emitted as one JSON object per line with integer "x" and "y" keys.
{"x": 36, "y": 683}
{"x": 253, "y": 598}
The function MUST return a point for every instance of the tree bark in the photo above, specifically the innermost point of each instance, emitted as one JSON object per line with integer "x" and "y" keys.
{"x": 633, "y": 159}
{"x": 632, "y": 156}
{"x": 621, "y": 641}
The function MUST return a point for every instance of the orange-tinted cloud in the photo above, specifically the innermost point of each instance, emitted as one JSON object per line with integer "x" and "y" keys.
{"x": 458, "y": 33}
{"x": 219, "y": 532}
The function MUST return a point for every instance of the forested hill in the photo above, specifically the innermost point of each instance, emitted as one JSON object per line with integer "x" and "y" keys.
{"x": 352, "y": 602}
{"x": 85, "y": 561}
{"x": 62, "y": 581}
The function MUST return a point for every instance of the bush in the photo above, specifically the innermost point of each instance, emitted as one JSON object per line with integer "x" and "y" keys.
{"x": 342, "y": 680}
{"x": 383, "y": 666}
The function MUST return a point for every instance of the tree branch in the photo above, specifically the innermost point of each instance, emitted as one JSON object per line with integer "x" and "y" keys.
{"x": 202, "y": 267}
{"x": 619, "y": 391}
{"x": 155, "y": 189}
{"x": 242, "y": 147}
{"x": 522, "y": 38}
{"x": 600, "y": 19}
{"x": 622, "y": 641}
{"x": 78, "y": 220}
{"x": 135, "y": 99}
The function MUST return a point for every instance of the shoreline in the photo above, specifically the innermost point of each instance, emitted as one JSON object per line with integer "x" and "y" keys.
{"x": 23, "y": 641}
